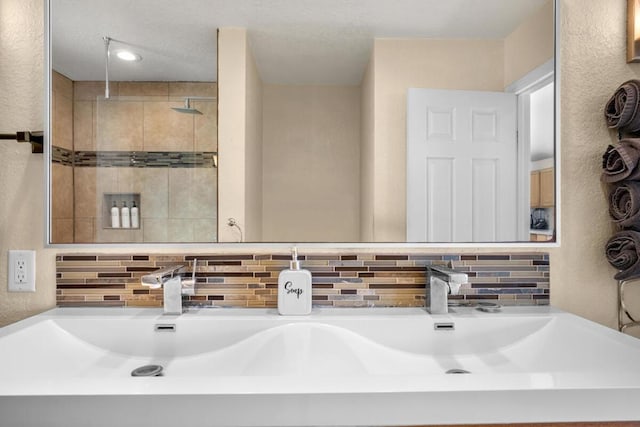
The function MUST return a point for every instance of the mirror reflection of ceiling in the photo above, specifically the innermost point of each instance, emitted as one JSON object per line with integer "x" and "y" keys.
{"x": 294, "y": 41}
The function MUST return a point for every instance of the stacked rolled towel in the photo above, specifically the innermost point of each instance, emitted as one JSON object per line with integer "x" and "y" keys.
{"x": 621, "y": 161}
{"x": 623, "y": 253}
{"x": 624, "y": 204}
{"x": 621, "y": 111}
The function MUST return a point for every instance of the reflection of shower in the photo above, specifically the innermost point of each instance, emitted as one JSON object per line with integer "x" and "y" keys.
{"x": 188, "y": 109}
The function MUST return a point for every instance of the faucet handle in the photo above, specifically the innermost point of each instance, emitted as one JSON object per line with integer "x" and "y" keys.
{"x": 451, "y": 274}
{"x": 155, "y": 279}
{"x": 454, "y": 279}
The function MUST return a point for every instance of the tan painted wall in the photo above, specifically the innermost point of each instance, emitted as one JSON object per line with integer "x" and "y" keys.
{"x": 253, "y": 155}
{"x": 232, "y": 95}
{"x": 367, "y": 153}
{"x": 240, "y": 136}
{"x": 311, "y": 163}
{"x": 399, "y": 65}
{"x": 21, "y": 173}
{"x": 593, "y": 54}
{"x": 592, "y": 65}
{"x": 530, "y": 45}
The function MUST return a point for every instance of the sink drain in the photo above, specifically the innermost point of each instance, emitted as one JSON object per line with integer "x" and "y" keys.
{"x": 457, "y": 371}
{"x": 147, "y": 371}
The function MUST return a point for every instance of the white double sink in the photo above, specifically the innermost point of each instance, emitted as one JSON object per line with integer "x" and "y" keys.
{"x": 336, "y": 367}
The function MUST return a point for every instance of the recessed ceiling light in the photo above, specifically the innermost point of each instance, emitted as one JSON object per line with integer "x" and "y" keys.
{"x": 127, "y": 55}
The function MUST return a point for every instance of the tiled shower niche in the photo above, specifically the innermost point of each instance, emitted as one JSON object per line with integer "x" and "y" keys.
{"x": 339, "y": 280}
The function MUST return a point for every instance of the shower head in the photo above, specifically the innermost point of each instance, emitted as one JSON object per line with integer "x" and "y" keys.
{"x": 187, "y": 109}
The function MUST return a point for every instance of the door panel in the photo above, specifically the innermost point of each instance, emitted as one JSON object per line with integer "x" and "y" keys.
{"x": 466, "y": 141}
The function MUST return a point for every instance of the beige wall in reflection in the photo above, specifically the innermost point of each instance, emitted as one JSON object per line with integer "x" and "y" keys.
{"x": 529, "y": 45}
{"x": 289, "y": 155}
{"x": 311, "y": 184}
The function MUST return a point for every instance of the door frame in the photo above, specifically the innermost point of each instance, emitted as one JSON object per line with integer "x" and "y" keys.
{"x": 522, "y": 88}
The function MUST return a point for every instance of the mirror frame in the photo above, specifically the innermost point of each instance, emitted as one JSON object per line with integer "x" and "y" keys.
{"x": 285, "y": 245}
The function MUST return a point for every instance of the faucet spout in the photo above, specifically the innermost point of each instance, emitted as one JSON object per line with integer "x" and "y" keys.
{"x": 156, "y": 279}
{"x": 173, "y": 285}
{"x": 443, "y": 281}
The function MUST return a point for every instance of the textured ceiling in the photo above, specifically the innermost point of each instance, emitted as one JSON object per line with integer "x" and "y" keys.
{"x": 294, "y": 41}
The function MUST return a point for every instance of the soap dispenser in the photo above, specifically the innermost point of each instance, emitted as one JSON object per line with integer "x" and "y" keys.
{"x": 294, "y": 289}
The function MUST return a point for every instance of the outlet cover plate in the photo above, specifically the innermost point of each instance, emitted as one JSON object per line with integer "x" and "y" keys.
{"x": 22, "y": 271}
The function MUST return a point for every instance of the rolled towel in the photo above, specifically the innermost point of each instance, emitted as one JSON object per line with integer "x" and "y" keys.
{"x": 621, "y": 111}
{"x": 621, "y": 161}
{"x": 622, "y": 253}
{"x": 624, "y": 204}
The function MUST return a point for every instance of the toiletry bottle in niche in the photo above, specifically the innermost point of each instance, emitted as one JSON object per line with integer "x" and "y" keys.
{"x": 115, "y": 216}
{"x": 125, "y": 217}
{"x": 294, "y": 289}
{"x": 135, "y": 217}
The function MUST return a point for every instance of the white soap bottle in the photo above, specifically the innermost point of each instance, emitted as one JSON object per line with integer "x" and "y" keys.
{"x": 294, "y": 289}
{"x": 115, "y": 216}
{"x": 125, "y": 217}
{"x": 135, "y": 217}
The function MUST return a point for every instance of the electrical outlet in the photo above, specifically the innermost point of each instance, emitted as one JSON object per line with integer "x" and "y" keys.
{"x": 22, "y": 271}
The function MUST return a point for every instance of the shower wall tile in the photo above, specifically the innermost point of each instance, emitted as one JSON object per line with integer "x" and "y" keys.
{"x": 176, "y": 204}
{"x": 155, "y": 229}
{"x": 180, "y": 230}
{"x": 153, "y": 186}
{"x": 62, "y": 120}
{"x": 110, "y": 235}
{"x": 84, "y": 126}
{"x": 206, "y": 126}
{"x": 86, "y": 196}
{"x": 192, "y": 192}
{"x": 62, "y": 186}
{"x": 62, "y": 230}
{"x": 155, "y": 89}
{"x": 129, "y": 144}
{"x": 62, "y": 84}
{"x": 184, "y": 89}
{"x": 249, "y": 280}
{"x": 106, "y": 182}
{"x": 155, "y": 193}
{"x": 92, "y": 90}
{"x": 119, "y": 125}
{"x": 165, "y": 129}
{"x": 84, "y": 230}
{"x": 61, "y": 170}
{"x": 205, "y": 230}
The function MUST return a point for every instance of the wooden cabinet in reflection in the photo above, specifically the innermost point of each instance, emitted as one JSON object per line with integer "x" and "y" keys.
{"x": 542, "y": 188}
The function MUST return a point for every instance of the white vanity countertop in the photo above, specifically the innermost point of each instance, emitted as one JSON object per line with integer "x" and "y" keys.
{"x": 251, "y": 367}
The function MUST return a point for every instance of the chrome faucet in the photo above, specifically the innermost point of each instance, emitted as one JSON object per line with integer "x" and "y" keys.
{"x": 172, "y": 284}
{"x": 442, "y": 282}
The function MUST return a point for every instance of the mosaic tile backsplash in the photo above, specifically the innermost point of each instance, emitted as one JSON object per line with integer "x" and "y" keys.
{"x": 350, "y": 280}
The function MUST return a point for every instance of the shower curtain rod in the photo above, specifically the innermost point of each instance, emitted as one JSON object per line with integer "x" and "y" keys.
{"x": 35, "y": 138}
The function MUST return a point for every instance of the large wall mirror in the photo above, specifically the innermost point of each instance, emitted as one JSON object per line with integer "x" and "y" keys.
{"x": 395, "y": 121}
